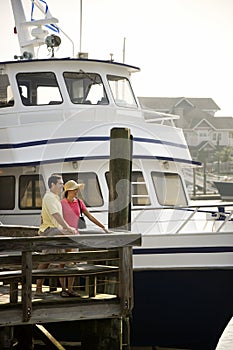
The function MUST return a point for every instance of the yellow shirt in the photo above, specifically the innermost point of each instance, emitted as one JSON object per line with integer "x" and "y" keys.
{"x": 50, "y": 205}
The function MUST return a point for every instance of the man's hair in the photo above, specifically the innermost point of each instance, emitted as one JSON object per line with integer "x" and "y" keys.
{"x": 53, "y": 179}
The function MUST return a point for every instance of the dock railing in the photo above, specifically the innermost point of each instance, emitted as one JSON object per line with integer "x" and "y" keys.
{"x": 102, "y": 259}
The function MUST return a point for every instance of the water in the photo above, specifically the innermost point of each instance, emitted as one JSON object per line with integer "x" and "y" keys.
{"x": 226, "y": 339}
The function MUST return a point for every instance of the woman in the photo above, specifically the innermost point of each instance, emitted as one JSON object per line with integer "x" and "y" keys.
{"x": 72, "y": 208}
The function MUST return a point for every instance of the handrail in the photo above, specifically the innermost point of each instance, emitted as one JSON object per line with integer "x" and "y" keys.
{"x": 121, "y": 242}
{"x": 181, "y": 207}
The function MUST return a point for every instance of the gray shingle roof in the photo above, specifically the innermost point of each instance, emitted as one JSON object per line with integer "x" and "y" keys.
{"x": 195, "y": 110}
{"x": 168, "y": 103}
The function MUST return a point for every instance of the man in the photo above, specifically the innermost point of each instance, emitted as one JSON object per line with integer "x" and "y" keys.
{"x": 52, "y": 223}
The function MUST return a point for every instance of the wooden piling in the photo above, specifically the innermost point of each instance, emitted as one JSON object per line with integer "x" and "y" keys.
{"x": 120, "y": 167}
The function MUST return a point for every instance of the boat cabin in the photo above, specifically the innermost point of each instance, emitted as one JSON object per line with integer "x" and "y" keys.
{"x": 56, "y": 116}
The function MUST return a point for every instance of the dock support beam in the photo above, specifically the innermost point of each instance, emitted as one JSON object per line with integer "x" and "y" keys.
{"x": 103, "y": 334}
{"x": 6, "y": 337}
{"x": 23, "y": 335}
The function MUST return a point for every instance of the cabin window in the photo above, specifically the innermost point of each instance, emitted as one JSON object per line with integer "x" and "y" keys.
{"x": 6, "y": 96}
{"x": 91, "y": 193}
{"x": 39, "y": 88}
{"x": 169, "y": 188}
{"x": 31, "y": 191}
{"x": 122, "y": 91}
{"x": 85, "y": 88}
{"x": 139, "y": 193}
{"x": 7, "y": 192}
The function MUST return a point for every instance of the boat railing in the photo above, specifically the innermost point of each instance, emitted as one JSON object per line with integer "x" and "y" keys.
{"x": 216, "y": 213}
{"x": 219, "y": 214}
{"x": 152, "y": 116}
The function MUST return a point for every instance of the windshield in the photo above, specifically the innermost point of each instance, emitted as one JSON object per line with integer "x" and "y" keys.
{"x": 122, "y": 91}
{"x": 85, "y": 88}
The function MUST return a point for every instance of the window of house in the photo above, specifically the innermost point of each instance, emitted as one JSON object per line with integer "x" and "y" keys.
{"x": 85, "y": 88}
{"x": 139, "y": 193}
{"x": 214, "y": 136}
{"x": 7, "y": 192}
{"x": 122, "y": 91}
{"x": 169, "y": 188}
{"x": 31, "y": 191}
{"x": 91, "y": 193}
{"x": 203, "y": 134}
{"x": 6, "y": 96}
{"x": 39, "y": 88}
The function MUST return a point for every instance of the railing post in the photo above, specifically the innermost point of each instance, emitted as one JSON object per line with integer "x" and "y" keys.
{"x": 126, "y": 279}
{"x": 26, "y": 285}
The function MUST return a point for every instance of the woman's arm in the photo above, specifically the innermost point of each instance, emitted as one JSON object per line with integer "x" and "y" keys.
{"x": 95, "y": 221}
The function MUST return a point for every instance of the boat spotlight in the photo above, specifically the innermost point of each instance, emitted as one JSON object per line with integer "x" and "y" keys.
{"x": 52, "y": 41}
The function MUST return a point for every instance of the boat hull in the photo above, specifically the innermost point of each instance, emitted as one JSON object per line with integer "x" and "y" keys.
{"x": 176, "y": 308}
{"x": 225, "y": 189}
{"x": 184, "y": 308}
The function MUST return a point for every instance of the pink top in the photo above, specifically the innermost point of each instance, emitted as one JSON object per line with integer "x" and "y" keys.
{"x": 71, "y": 211}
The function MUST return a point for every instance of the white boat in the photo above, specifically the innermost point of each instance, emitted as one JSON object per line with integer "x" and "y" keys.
{"x": 225, "y": 189}
{"x": 183, "y": 279}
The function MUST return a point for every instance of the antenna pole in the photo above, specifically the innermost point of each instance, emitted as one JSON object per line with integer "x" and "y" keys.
{"x": 124, "y": 50}
{"x": 81, "y": 15}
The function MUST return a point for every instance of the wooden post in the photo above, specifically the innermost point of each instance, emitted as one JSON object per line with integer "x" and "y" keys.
{"x": 14, "y": 292}
{"x": 126, "y": 292}
{"x": 102, "y": 334}
{"x": 120, "y": 167}
{"x": 126, "y": 279}
{"x": 194, "y": 182}
{"x": 6, "y": 337}
{"x": 23, "y": 335}
{"x": 204, "y": 177}
{"x": 26, "y": 285}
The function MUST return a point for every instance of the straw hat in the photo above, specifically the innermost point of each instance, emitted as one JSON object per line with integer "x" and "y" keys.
{"x": 72, "y": 185}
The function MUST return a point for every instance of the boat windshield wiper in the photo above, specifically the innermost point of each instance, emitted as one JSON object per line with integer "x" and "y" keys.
{"x": 89, "y": 76}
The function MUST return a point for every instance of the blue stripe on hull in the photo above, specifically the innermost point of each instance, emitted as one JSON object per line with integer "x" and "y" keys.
{"x": 181, "y": 308}
{"x": 84, "y": 139}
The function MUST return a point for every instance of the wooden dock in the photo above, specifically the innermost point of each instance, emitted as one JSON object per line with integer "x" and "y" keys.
{"x": 102, "y": 268}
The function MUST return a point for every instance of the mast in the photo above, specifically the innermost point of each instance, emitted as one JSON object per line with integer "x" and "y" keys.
{"x": 30, "y": 38}
{"x": 23, "y": 33}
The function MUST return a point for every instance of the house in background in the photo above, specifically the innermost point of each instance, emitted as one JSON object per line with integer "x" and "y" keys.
{"x": 205, "y": 133}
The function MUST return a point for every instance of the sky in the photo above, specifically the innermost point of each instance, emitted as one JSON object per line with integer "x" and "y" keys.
{"x": 184, "y": 48}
